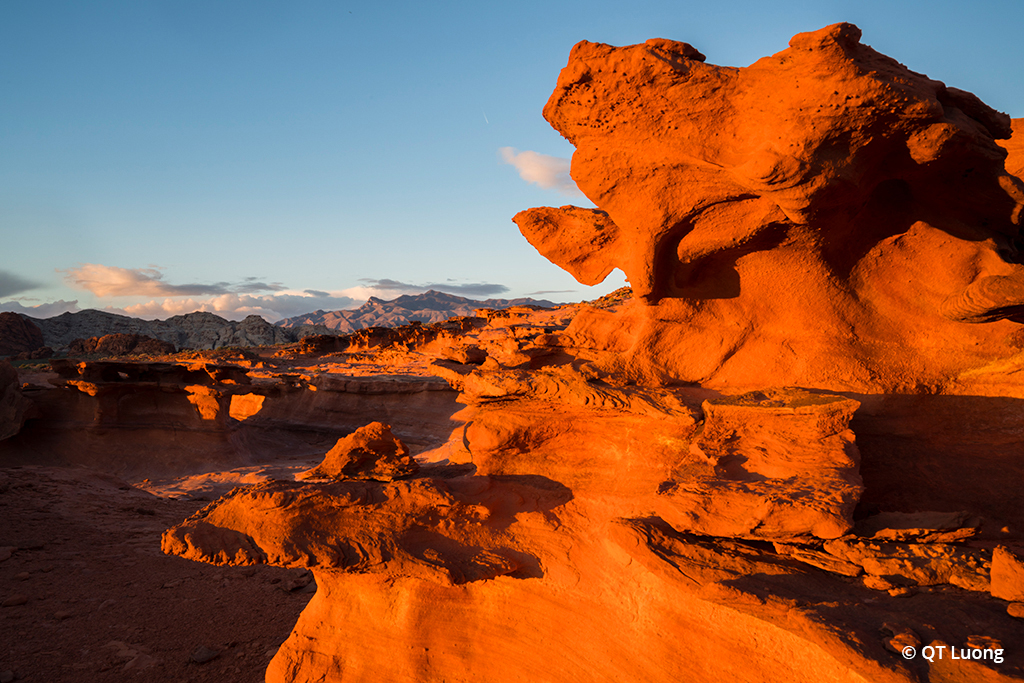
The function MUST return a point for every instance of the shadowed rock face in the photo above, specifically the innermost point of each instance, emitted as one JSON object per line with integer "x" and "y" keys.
{"x": 18, "y": 334}
{"x": 825, "y": 202}
{"x": 120, "y": 345}
{"x": 13, "y": 406}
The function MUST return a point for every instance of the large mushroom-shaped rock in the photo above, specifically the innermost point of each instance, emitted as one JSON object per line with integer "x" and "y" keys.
{"x": 824, "y": 217}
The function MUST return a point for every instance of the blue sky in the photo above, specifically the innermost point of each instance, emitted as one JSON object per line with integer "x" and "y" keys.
{"x": 160, "y": 157}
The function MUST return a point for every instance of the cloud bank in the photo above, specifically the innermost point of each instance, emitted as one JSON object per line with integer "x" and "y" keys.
{"x": 551, "y": 173}
{"x": 234, "y": 306}
{"x": 231, "y": 300}
{"x": 111, "y": 281}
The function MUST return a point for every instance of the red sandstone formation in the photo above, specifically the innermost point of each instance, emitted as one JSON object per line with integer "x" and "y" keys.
{"x": 824, "y": 217}
{"x": 609, "y": 504}
{"x": 188, "y": 415}
{"x": 774, "y": 466}
{"x": 1015, "y": 149}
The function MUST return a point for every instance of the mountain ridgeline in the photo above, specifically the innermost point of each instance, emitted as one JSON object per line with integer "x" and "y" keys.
{"x": 429, "y": 307}
{"x": 202, "y": 330}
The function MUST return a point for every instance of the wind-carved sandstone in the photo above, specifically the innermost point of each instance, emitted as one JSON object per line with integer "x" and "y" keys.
{"x": 616, "y": 503}
{"x": 819, "y": 218}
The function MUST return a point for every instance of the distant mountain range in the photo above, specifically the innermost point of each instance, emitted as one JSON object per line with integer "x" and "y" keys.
{"x": 192, "y": 331}
{"x": 429, "y": 307}
{"x": 208, "y": 331}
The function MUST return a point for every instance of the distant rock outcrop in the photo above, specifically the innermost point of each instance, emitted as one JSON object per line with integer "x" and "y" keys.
{"x": 429, "y": 307}
{"x": 120, "y": 345}
{"x": 18, "y": 334}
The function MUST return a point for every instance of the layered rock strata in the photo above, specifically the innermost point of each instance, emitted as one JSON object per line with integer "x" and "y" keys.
{"x": 774, "y": 466}
{"x": 552, "y": 530}
{"x": 191, "y": 416}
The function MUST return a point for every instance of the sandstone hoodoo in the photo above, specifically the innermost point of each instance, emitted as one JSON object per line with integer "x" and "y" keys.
{"x": 790, "y": 453}
{"x": 824, "y": 217}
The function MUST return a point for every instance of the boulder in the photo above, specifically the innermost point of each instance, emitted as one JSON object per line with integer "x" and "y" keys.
{"x": 370, "y": 452}
{"x": 1008, "y": 574}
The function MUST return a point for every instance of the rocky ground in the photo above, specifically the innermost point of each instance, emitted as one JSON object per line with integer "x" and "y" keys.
{"x": 88, "y": 596}
{"x": 780, "y": 534}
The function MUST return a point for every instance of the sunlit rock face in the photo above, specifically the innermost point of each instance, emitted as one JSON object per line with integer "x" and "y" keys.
{"x": 1015, "y": 149}
{"x": 615, "y": 505}
{"x": 824, "y": 217}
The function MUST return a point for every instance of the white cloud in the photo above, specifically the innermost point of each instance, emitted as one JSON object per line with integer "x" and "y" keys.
{"x": 233, "y": 301}
{"x": 108, "y": 281}
{"x": 549, "y": 172}
{"x": 233, "y": 306}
